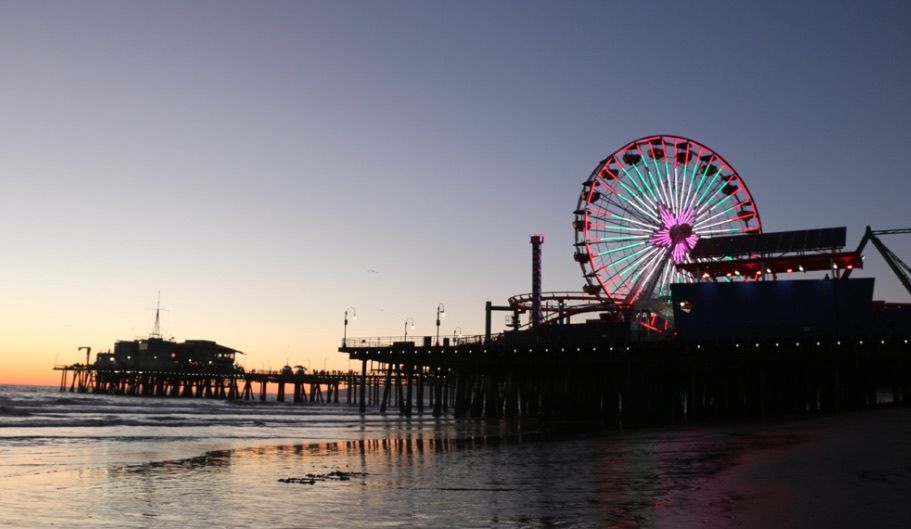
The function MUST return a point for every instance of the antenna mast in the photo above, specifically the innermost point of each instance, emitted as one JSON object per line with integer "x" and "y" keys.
{"x": 156, "y": 330}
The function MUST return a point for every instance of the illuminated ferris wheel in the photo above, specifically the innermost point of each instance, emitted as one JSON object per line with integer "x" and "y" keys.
{"x": 642, "y": 210}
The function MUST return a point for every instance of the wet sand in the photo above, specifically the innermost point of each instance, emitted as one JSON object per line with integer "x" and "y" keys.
{"x": 841, "y": 471}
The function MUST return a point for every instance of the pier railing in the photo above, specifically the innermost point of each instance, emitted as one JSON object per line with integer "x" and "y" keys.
{"x": 418, "y": 341}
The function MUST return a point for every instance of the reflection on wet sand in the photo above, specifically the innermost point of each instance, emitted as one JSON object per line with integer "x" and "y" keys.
{"x": 622, "y": 479}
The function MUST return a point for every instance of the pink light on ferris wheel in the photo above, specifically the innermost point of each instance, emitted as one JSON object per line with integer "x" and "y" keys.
{"x": 676, "y": 233}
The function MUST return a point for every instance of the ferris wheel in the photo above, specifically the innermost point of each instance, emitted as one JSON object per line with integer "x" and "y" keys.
{"x": 642, "y": 210}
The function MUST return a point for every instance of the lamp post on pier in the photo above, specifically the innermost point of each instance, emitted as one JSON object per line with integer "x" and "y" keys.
{"x": 407, "y": 321}
{"x": 441, "y": 311}
{"x": 353, "y": 317}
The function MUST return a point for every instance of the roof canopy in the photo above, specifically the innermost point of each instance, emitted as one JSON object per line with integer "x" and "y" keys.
{"x": 755, "y": 255}
{"x": 828, "y": 239}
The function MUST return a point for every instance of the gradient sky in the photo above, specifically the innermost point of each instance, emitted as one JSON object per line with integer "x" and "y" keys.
{"x": 257, "y": 161}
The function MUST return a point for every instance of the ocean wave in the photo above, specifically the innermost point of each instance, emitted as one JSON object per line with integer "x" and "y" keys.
{"x": 13, "y": 411}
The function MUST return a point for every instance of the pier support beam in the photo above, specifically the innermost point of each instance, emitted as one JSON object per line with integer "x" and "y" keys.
{"x": 363, "y": 388}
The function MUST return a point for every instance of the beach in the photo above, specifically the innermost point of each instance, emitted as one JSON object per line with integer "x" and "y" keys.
{"x": 84, "y": 460}
{"x": 845, "y": 470}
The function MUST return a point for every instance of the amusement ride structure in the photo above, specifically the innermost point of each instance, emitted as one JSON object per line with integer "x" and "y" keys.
{"x": 640, "y": 214}
{"x": 665, "y": 210}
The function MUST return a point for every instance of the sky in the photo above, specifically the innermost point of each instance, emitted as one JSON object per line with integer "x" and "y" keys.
{"x": 266, "y": 165}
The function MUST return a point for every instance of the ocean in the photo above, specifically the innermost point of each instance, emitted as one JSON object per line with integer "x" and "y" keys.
{"x": 84, "y": 460}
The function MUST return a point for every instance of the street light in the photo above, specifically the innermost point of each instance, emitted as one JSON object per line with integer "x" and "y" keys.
{"x": 441, "y": 311}
{"x": 406, "y": 327}
{"x": 456, "y": 334}
{"x": 353, "y": 317}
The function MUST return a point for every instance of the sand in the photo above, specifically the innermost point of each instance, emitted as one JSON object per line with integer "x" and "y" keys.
{"x": 848, "y": 470}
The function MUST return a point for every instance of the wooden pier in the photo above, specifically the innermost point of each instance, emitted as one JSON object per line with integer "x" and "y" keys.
{"x": 323, "y": 386}
{"x": 553, "y": 375}
{"x": 659, "y": 381}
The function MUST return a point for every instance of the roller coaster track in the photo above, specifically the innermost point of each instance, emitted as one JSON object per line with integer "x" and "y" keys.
{"x": 562, "y": 305}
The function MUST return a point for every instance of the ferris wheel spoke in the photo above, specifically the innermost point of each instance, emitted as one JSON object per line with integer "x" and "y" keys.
{"x": 623, "y": 216}
{"x": 599, "y": 213}
{"x": 697, "y": 197}
{"x": 680, "y": 175}
{"x": 659, "y": 192}
{"x": 683, "y": 191}
{"x": 700, "y": 172}
{"x": 668, "y": 276}
{"x": 696, "y": 180}
{"x": 662, "y": 167}
{"x": 718, "y": 231}
{"x": 631, "y": 160}
{"x": 600, "y": 182}
{"x": 633, "y": 199}
{"x": 643, "y": 266}
{"x": 630, "y": 261}
{"x": 665, "y": 197}
{"x": 643, "y": 198}
{"x": 718, "y": 214}
{"x": 724, "y": 231}
{"x": 637, "y": 182}
{"x": 641, "y": 201}
{"x": 708, "y": 206}
{"x": 634, "y": 213}
{"x": 681, "y": 155}
{"x": 634, "y": 261}
{"x": 624, "y": 222}
{"x": 625, "y": 232}
{"x": 636, "y": 256}
{"x": 673, "y": 183}
{"x": 665, "y": 183}
{"x": 725, "y": 207}
{"x": 601, "y": 217}
{"x": 702, "y": 200}
{"x": 693, "y": 190}
{"x": 624, "y": 239}
{"x": 657, "y": 151}
{"x": 657, "y": 264}
{"x": 648, "y": 179}
{"x": 648, "y": 224}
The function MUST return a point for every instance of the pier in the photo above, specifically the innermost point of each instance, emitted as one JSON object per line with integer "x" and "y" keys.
{"x": 640, "y": 382}
{"x": 593, "y": 370}
{"x": 326, "y": 387}
{"x": 316, "y": 387}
